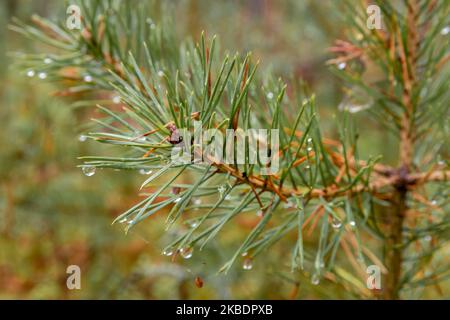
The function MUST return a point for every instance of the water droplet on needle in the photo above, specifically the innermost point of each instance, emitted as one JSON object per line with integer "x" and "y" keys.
{"x": 168, "y": 252}
{"x": 336, "y": 223}
{"x": 82, "y": 138}
{"x": 248, "y": 264}
{"x": 88, "y": 171}
{"x": 186, "y": 252}
{"x": 342, "y": 65}
{"x": 145, "y": 171}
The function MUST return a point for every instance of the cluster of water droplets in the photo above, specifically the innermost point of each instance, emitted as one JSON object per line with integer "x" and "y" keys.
{"x": 185, "y": 252}
{"x": 41, "y": 75}
{"x": 309, "y": 148}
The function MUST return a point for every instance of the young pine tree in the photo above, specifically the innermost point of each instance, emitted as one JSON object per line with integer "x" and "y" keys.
{"x": 338, "y": 213}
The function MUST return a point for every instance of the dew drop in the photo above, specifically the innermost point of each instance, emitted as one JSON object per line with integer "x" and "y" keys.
{"x": 145, "y": 171}
{"x": 123, "y": 220}
{"x": 315, "y": 280}
{"x": 186, "y": 252}
{"x": 308, "y": 167}
{"x": 342, "y": 65}
{"x": 270, "y": 95}
{"x": 82, "y": 138}
{"x": 336, "y": 223}
{"x": 354, "y": 108}
{"x": 193, "y": 224}
{"x": 168, "y": 252}
{"x": 42, "y": 75}
{"x": 259, "y": 213}
{"x": 88, "y": 171}
{"x": 87, "y": 78}
{"x": 445, "y": 30}
{"x": 177, "y": 200}
{"x": 434, "y": 202}
{"x": 352, "y": 223}
{"x": 309, "y": 149}
{"x": 427, "y": 238}
{"x": 30, "y": 73}
{"x": 244, "y": 254}
{"x": 248, "y": 264}
{"x": 197, "y": 201}
{"x": 309, "y": 140}
{"x": 116, "y": 99}
{"x": 160, "y": 73}
{"x": 48, "y": 60}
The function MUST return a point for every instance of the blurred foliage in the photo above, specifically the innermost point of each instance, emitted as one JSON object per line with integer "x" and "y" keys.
{"x": 52, "y": 216}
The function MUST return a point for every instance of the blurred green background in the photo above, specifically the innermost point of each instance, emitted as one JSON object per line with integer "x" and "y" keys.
{"x": 52, "y": 216}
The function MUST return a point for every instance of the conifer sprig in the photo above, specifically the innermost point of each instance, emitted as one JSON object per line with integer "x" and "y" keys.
{"x": 157, "y": 84}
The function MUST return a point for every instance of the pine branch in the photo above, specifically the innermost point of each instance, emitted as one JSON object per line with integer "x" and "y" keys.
{"x": 165, "y": 88}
